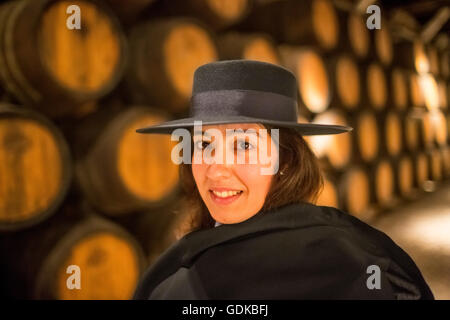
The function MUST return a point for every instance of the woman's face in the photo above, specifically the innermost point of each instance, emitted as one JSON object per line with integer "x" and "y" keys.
{"x": 233, "y": 190}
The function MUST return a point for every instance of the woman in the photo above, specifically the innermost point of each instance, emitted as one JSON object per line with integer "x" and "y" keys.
{"x": 258, "y": 235}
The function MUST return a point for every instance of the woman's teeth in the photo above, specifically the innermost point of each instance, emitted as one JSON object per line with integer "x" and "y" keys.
{"x": 225, "y": 194}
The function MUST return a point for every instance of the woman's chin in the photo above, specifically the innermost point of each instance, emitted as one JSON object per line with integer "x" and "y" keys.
{"x": 229, "y": 216}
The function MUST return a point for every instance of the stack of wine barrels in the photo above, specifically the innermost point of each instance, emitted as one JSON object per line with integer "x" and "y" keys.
{"x": 79, "y": 188}
{"x": 387, "y": 91}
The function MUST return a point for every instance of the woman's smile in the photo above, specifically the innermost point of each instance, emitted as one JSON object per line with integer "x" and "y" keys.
{"x": 223, "y": 196}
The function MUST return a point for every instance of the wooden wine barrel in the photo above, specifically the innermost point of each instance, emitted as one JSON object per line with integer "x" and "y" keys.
{"x": 354, "y": 191}
{"x": 435, "y": 164}
{"x": 442, "y": 92}
{"x": 427, "y": 131}
{"x": 129, "y": 10}
{"x": 312, "y": 23}
{"x": 404, "y": 176}
{"x": 411, "y": 132}
{"x": 382, "y": 42}
{"x": 382, "y": 182}
{"x": 120, "y": 171}
{"x": 251, "y": 46}
{"x": 439, "y": 126}
{"x": 164, "y": 55}
{"x": 35, "y": 168}
{"x": 375, "y": 87}
{"x": 412, "y": 55}
{"x": 59, "y": 69}
{"x": 392, "y": 133}
{"x": 336, "y": 149}
{"x": 417, "y": 95}
{"x": 354, "y": 34}
{"x": 399, "y": 89}
{"x": 311, "y": 73}
{"x": 430, "y": 91}
{"x": 217, "y": 14}
{"x": 329, "y": 195}
{"x": 421, "y": 167}
{"x": 366, "y": 135}
{"x": 345, "y": 82}
{"x": 38, "y": 261}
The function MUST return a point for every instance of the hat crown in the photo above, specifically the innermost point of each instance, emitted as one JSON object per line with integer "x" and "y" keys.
{"x": 245, "y": 75}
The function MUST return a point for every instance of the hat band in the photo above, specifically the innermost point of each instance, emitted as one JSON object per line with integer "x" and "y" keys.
{"x": 218, "y": 104}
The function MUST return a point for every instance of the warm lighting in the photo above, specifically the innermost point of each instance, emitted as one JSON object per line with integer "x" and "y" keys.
{"x": 429, "y": 88}
{"x": 420, "y": 58}
{"x": 430, "y": 230}
{"x": 313, "y": 82}
{"x": 321, "y": 144}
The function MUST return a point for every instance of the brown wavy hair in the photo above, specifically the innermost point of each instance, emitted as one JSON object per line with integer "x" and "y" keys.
{"x": 301, "y": 182}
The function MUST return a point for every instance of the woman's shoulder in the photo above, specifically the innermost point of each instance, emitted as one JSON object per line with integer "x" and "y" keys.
{"x": 360, "y": 244}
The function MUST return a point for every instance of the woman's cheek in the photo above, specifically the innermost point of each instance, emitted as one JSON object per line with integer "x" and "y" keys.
{"x": 251, "y": 176}
{"x": 199, "y": 171}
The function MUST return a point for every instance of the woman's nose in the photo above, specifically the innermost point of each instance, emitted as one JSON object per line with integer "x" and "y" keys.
{"x": 218, "y": 171}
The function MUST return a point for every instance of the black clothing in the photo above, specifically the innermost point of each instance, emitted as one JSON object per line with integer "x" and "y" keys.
{"x": 298, "y": 251}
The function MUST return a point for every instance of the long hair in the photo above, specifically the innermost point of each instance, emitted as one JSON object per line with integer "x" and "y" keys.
{"x": 301, "y": 182}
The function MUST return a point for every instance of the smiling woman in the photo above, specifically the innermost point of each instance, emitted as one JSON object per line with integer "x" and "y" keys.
{"x": 297, "y": 180}
{"x": 254, "y": 235}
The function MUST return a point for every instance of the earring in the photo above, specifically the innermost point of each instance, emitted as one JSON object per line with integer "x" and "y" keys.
{"x": 281, "y": 173}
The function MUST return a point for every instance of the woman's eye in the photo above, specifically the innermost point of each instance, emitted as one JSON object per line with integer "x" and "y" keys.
{"x": 244, "y": 145}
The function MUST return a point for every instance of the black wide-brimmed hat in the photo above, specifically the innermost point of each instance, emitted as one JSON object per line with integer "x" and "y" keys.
{"x": 244, "y": 91}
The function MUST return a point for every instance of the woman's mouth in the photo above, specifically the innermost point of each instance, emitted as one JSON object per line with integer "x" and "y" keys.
{"x": 225, "y": 197}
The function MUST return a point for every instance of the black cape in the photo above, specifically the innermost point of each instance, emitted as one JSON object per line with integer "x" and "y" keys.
{"x": 297, "y": 251}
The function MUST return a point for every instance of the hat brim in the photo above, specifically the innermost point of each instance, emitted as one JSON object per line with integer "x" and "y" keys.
{"x": 306, "y": 129}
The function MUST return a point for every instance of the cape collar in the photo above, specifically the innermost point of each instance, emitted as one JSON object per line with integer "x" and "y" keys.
{"x": 286, "y": 217}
